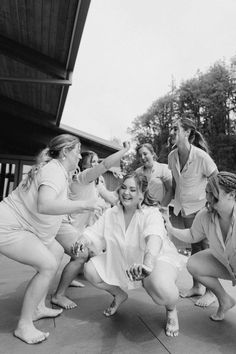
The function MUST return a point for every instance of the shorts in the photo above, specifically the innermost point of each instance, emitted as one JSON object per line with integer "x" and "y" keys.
{"x": 11, "y": 231}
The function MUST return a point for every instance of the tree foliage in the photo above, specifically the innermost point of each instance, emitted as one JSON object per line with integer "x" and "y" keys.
{"x": 210, "y": 100}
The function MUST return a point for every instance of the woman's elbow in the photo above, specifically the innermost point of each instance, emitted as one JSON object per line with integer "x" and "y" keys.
{"x": 42, "y": 208}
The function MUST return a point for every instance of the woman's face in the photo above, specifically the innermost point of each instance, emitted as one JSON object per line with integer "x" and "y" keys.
{"x": 177, "y": 134}
{"x": 73, "y": 157}
{"x": 145, "y": 157}
{"x": 214, "y": 203}
{"x": 94, "y": 161}
{"x": 129, "y": 194}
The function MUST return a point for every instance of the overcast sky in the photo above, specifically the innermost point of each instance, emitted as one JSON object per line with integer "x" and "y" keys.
{"x": 130, "y": 50}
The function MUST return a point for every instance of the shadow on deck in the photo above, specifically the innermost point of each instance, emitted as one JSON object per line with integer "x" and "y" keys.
{"x": 138, "y": 327}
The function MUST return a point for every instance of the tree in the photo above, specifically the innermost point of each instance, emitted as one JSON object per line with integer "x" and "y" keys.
{"x": 210, "y": 100}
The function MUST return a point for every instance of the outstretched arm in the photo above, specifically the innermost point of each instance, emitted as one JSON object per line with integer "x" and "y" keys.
{"x": 109, "y": 196}
{"x": 184, "y": 235}
{"x": 49, "y": 203}
{"x": 141, "y": 271}
{"x": 91, "y": 174}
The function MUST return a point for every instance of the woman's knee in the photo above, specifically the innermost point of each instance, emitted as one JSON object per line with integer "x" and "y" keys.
{"x": 49, "y": 266}
{"x": 192, "y": 265}
{"x": 91, "y": 274}
{"x": 88, "y": 270}
{"x": 162, "y": 291}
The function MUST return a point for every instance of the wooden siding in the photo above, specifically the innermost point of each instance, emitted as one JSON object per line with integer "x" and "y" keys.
{"x": 43, "y": 25}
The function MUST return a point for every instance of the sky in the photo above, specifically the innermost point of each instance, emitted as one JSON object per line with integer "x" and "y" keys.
{"x": 130, "y": 51}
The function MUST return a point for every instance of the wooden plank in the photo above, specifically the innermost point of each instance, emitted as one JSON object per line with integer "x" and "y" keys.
{"x": 37, "y": 18}
{"x": 53, "y": 28}
{"x": 22, "y": 19}
{"x": 31, "y": 57}
{"x": 62, "y": 44}
{"x": 46, "y": 10}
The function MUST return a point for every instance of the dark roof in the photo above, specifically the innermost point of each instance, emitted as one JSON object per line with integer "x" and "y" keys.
{"x": 39, "y": 42}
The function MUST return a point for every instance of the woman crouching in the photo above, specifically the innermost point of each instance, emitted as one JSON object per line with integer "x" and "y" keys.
{"x": 132, "y": 250}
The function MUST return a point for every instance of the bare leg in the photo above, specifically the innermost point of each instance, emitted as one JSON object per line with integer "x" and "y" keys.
{"x": 69, "y": 273}
{"x": 76, "y": 282}
{"x": 42, "y": 311}
{"x": 118, "y": 294}
{"x": 161, "y": 286}
{"x": 207, "y": 297}
{"x": 197, "y": 288}
{"x": 67, "y": 236}
{"x": 45, "y": 264}
{"x": 208, "y": 270}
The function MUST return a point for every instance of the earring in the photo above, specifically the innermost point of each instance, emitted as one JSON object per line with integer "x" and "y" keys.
{"x": 63, "y": 158}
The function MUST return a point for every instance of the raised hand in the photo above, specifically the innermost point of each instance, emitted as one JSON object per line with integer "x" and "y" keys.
{"x": 126, "y": 145}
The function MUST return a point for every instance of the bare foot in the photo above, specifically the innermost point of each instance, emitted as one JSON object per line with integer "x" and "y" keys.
{"x": 194, "y": 291}
{"x": 172, "y": 323}
{"x": 207, "y": 299}
{"x": 29, "y": 334}
{"x": 224, "y": 306}
{"x": 63, "y": 301}
{"x": 118, "y": 300}
{"x": 44, "y": 312}
{"x": 77, "y": 284}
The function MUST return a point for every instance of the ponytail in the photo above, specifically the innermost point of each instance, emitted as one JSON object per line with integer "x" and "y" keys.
{"x": 195, "y": 137}
{"x": 52, "y": 151}
{"x": 42, "y": 159}
{"x": 200, "y": 142}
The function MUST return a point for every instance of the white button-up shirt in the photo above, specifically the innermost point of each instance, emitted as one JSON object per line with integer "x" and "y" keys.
{"x": 207, "y": 224}
{"x": 190, "y": 194}
{"x": 124, "y": 247}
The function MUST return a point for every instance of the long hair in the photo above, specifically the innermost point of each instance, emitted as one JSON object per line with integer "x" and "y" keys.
{"x": 195, "y": 137}
{"x": 52, "y": 151}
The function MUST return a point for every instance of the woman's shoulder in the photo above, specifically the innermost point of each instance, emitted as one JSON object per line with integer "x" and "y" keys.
{"x": 52, "y": 169}
{"x": 199, "y": 152}
{"x": 147, "y": 210}
{"x": 139, "y": 169}
{"x": 162, "y": 166}
{"x": 172, "y": 153}
{"x": 203, "y": 216}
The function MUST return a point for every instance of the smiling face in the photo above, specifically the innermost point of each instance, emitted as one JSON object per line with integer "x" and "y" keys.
{"x": 73, "y": 157}
{"x": 94, "y": 161}
{"x": 145, "y": 157}
{"x": 129, "y": 194}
